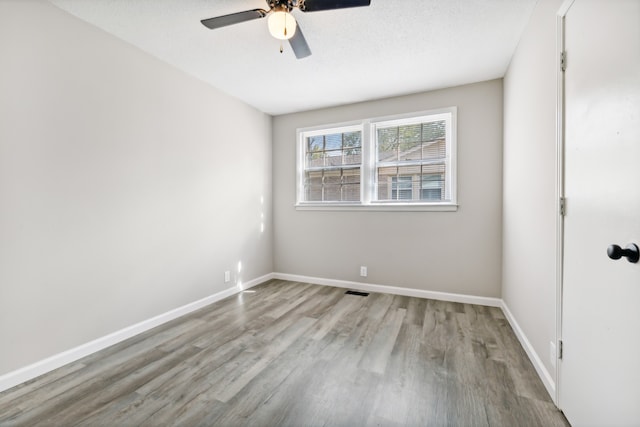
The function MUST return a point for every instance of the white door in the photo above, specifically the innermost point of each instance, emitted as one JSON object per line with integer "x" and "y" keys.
{"x": 600, "y": 370}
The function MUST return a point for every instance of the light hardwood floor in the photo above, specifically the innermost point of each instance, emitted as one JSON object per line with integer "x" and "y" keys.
{"x": 295, "y": 354}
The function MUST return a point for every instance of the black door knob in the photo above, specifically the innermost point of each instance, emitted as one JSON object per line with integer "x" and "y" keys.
{"x": 631, "y": 252}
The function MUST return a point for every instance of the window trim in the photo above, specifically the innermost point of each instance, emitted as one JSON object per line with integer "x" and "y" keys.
{"x": 367, "y": 127}
{"x": 301, "y": 134}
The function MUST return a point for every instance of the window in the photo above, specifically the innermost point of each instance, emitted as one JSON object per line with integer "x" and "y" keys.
{"x": 411, "y": 159}
{"x": 332, "y": 165}
{"x": 403, "y": 162}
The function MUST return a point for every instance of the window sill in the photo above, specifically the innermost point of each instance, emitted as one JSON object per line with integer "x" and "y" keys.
{"x": 400, "y": 207}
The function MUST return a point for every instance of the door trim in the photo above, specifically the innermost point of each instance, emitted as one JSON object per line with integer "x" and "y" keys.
{"x": 560, "y": 188}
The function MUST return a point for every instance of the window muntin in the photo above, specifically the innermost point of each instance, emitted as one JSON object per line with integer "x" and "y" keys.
{"x": 403, "y": 161}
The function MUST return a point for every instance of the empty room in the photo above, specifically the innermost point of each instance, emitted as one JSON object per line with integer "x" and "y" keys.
{"x": 319, "y": 213}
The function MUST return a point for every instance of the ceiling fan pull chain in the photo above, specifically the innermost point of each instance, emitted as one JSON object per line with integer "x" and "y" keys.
{"x": 285, "y": 28}
{"x": 281, "y": 49}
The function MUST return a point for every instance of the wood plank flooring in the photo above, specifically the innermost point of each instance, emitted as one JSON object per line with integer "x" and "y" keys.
{"x": 295, "y": 354}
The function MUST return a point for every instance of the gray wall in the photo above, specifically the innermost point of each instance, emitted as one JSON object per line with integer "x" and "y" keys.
{"x": 456, "y": 252}
{"x": 127, "y": 188}
{"x": 529, "y": 233}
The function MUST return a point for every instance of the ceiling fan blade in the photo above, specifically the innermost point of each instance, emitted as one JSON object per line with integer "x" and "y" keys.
{"x": 299, "y": 44}
{"x": 234, "y": 18}
{"x": 318, "y": 5}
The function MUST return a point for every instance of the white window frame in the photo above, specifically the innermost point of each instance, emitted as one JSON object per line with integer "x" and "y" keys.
{"x": 302, "y": 135}
{"x": 369, "y": 162}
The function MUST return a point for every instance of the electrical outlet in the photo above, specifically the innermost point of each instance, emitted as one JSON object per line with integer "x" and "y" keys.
{"x": 227, "y": 276}
{"x": 363, "y": 270}
{"x": 552, "y": 353}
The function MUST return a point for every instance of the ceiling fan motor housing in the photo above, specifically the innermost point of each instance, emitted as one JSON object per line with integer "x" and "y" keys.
{"x": 282, "y": 5}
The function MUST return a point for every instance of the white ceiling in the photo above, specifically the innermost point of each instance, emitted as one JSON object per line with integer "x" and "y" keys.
{"x": 393, "y": 47}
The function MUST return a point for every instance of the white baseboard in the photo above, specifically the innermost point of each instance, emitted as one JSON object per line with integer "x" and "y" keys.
{"x": 544, "y": 375}
{"x": 442, "y": 296}
{"x": 34, "y": 370}
{"x": 542, "y": 372}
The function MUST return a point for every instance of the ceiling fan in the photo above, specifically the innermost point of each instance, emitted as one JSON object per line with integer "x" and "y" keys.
{"x": 282, "y": 24}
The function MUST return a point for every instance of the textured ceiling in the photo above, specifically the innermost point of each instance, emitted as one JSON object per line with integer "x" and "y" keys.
{"x": 393, "y": 47}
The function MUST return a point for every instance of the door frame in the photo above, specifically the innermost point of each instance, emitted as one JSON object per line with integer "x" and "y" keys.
{"x": 560, "y": 186}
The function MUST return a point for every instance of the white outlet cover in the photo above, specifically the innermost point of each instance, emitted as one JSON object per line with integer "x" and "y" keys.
{"x": 552, "y": 353}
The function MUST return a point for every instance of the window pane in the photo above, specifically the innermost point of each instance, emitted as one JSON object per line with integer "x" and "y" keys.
{"x": 401, "y": 188}
{"x": 432, "y": 187}
{"x": 410, "y": 151}
{"x": 332, "y": 177}
{"x": 351, "y": 192}
{"x": 313, "y": 178}
{"x": 326, "y": 155}
{"x": 334, "y": 158}
{"x": 434, "y": 150}
{"x": 313, "y": 193}
{"x": 431, "y": 194}
{"x": 313, "y": 186}
{"x": 432, "y": 181}
{"x": 351, "y": 139}
{"x": 352, "y": 156}
{"x": 331, "y": 193}
{"x": 409, "y": 133}
{"x": 434, "y": 130}
{"x": 402, "y": 182}
{"x": 351, "y": 176}
{"x": 387, "y": 144}
{"x": 433, "y": 169}
{"x": 315, "y": 159}
{"x": 333, "y": 141}
{"x": 409, "y": 170}
{"x": 384, "y": 177}
{"x": 397, "y": 183}
{"x": 384, "y": 189}
{"x": 315, "y": 143}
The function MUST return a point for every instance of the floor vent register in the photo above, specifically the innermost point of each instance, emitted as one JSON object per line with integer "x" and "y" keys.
{"x": 360, "y": 294}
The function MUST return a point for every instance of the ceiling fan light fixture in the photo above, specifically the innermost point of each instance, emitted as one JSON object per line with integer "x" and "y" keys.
{"x": 282, "y": 25}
